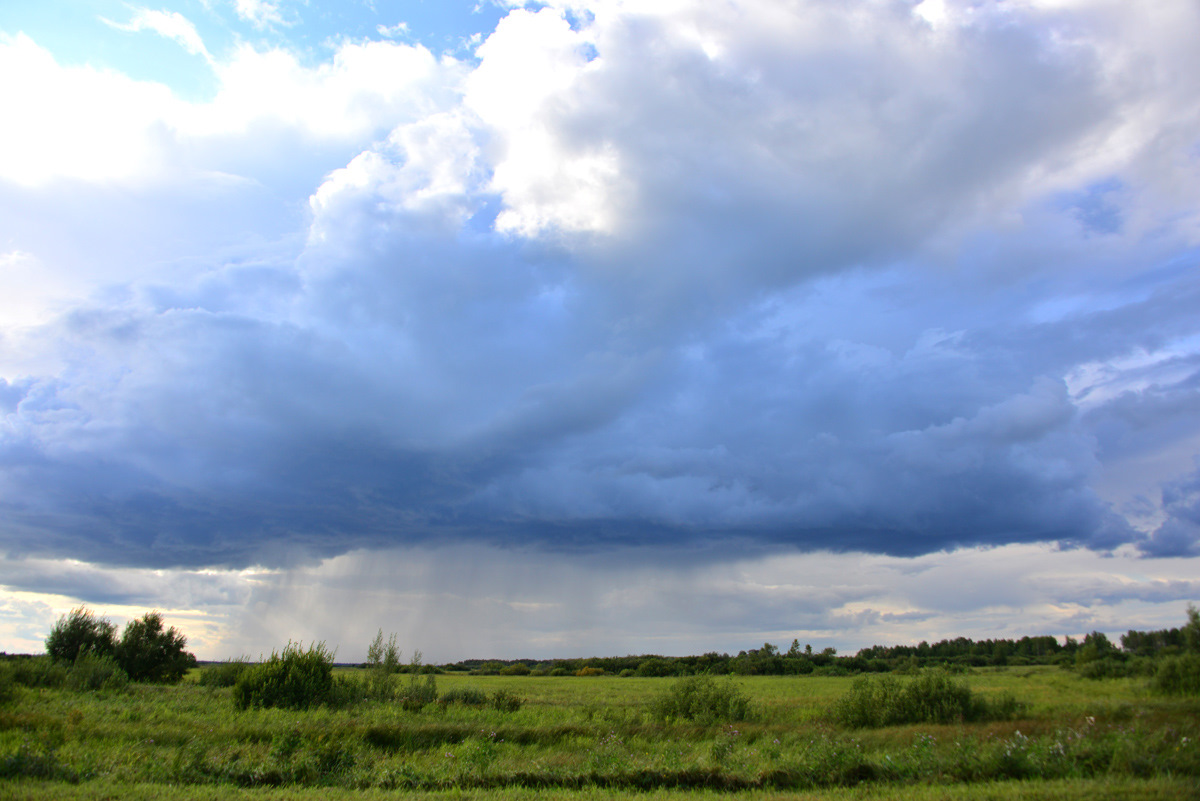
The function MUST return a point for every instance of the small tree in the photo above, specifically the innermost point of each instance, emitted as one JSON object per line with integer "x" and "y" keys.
{"x": 383, "y": 662}
{"x": 384, "y": 656}
{"x": 147, "y": 653}
{"x": 1191, "y": 629}
{"x": 78, "y": 633}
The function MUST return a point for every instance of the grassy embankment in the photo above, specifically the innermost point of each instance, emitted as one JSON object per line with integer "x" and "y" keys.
{"x": 599, "y": 738}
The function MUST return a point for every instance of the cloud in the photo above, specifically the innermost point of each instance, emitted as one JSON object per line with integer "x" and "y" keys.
{"x": 700, "y": 276}
{"x": 172, "y": 25}
{"x": 260, "y": 13}
{"x": 87, "y": 124}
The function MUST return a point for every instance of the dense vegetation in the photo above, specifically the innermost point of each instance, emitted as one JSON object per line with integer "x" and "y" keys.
{"x": 297, "y": 720}
{"x": 1137, "y": 655}
{"x": 88, "y": 648}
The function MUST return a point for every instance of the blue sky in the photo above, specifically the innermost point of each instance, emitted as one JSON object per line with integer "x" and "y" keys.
{"x": 573, "y": 328}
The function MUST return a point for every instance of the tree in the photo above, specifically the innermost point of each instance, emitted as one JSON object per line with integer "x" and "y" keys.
{"x": 1191, "y": 630}
{"x": 382, "y": 655}
{"x": 78, "y": 633}
{"x": 147, "y": 653}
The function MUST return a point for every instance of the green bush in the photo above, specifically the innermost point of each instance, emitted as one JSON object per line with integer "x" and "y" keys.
{"x": 932, "y": 697}
{"x": 148, "y": 653}
{"x": 703, "y": 699}
{"x": 505, "y": 701}
{"x": 418, "y": 693}
{"x": 466, "y": 696}
{"x": 294, "y": 679}
{"x": 95, "y": 672}
{"x": 1177, "y": 675}
{"x": 224, "y": 674}
{"x": 515, "y": 669}
{"x": 383, "y": 663}
{"x": 80, "y": 632}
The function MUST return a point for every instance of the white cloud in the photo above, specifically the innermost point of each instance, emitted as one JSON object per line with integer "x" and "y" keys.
{"x": 392, "y": 31}
{"x": 76, "y": 122}
{"x": 101, "y": 126}
{"x": 260, "y": 13}
{"x": 172, "y": 25}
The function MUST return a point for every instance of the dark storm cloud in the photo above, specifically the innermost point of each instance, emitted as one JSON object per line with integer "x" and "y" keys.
{"x": 806, "y": 279}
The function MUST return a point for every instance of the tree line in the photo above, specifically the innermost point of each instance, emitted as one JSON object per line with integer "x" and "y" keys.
{"x": 958, "y": 653}
{"x": 146, "y": 651}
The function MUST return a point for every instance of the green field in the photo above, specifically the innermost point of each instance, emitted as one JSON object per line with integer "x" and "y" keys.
{"x": 598, "y": 737}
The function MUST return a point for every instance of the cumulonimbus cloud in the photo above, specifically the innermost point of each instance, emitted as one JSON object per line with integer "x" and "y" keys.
{"x": 811, "y": 277}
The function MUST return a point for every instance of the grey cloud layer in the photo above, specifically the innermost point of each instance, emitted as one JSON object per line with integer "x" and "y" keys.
{"x": 816, "y": 278}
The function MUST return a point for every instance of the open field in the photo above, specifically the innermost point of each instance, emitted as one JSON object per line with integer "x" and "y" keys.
{"x": 598, "y": 737}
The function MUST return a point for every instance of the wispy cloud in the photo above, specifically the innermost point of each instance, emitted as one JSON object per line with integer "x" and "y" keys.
{"x": 171, "y": 25}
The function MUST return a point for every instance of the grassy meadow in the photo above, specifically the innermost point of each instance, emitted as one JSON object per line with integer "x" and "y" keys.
{"x": 600, "y": 737}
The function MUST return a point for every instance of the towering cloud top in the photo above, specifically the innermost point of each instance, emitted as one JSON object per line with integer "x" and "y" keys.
{"x": 877, "y": 275}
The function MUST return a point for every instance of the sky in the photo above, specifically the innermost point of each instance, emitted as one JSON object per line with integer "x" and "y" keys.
{"x": 567, "y": 328}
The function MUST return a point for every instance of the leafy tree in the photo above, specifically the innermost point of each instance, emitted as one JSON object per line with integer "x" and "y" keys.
{"x": 148, "y": 653}
{"x": 78, "y": 633}
{"x": 383, "y": 661}
{"x": 382, "y": 655}
{"x": 1191, "y": 630}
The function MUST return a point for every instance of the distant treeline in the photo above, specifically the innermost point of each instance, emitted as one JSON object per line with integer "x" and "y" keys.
{"x": 1095, "y": 654}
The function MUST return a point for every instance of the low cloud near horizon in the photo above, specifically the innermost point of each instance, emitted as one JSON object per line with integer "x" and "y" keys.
{"x": 801, "y": 284}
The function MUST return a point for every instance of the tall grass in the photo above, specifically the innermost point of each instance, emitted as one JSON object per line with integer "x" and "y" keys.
{"x": 224, "y": 674}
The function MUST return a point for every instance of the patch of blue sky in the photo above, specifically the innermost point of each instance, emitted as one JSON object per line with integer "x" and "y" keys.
{"x": 1096, "y": 208}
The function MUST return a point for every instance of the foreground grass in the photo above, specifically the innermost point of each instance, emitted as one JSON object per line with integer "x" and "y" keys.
{"x": 1055, "y": 790}
{"x": 595, "y": 738}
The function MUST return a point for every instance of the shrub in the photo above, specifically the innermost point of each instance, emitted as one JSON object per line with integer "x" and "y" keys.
{"x": 590, "y": 671}
{"x": 147, "y": 653}
{"x": 384, "y": 656}
{"x": 383, "y": 663}
{"x": 224, "y": 674}
{"x": 1177, "y": 675}
{"x": 467, "y": 696}
{"x": 932, "y": 697}
{"x": 80, "y": 632}
{"x": 515, "y": 669}
{"x": 95, "y": 672}
{"x": 294, "y": 679}
{"x": 418, "y": 693}
{"x": 505, "y": 701}
{"x": 704, "y": 699}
